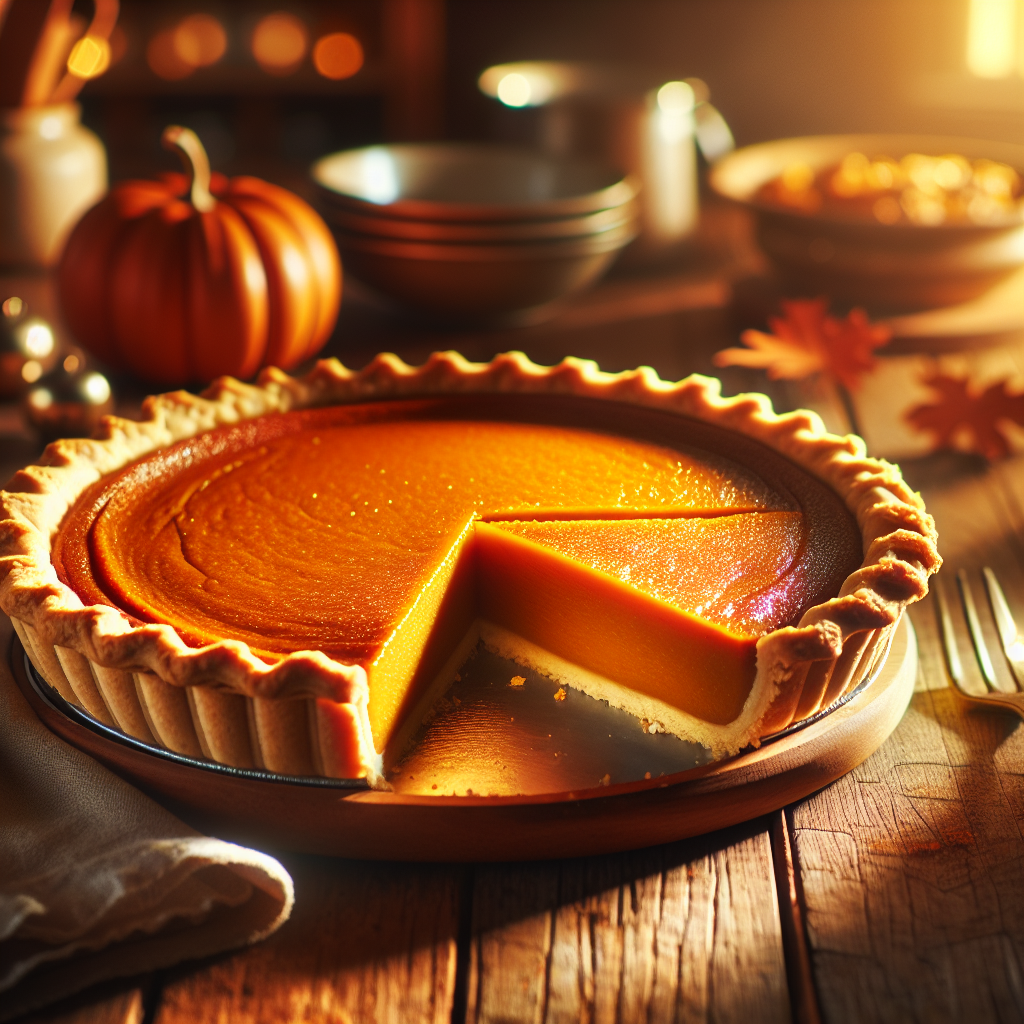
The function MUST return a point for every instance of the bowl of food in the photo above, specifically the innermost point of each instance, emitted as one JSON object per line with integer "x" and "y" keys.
{"x": 888, "y": 221}
{"x": 475, "y": 232}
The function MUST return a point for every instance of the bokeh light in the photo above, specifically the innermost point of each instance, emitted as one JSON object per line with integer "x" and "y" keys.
{"x": 279, "y": 43}
{"x": 39, "y": 342}
{"x": 993, "y": 38}
{"x": 514, "y": 90}
{"x": 163, "y": 59}
{"x": 675, "y": 98}
{"x": 338, "y": 55}
{"x": 528, "y": 83}
{"x": 200, "y": 40}
{"x": 89, "y": 57}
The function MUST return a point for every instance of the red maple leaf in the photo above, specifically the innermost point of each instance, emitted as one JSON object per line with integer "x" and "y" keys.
{"x": 966, "y": 419}
{"x": 806, "y": 340}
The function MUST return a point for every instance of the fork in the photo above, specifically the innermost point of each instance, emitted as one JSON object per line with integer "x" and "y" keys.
{"x": 1009, "y": 637}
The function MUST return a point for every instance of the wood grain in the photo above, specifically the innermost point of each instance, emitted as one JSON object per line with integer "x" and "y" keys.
{"x": 913, "y": 865}
{"x": 368, "y": 943}
{"x": 120, "y": 1008}
{"x": 685, "y": 932}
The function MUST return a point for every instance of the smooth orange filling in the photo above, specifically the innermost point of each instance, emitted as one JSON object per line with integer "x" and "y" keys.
{"x": 378, "y": 533}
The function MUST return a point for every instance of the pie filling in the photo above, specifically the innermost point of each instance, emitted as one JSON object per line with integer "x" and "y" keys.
{"x": 382, "y": 534}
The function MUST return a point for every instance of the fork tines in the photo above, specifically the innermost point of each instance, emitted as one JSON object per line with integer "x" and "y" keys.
{"x": 1009, "y": 636}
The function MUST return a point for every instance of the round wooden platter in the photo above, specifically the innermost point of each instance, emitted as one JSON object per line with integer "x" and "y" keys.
{"x": 347, "y": 819}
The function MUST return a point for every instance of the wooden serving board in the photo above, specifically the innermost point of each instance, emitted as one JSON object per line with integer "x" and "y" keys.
{"x": 413, "y": 823}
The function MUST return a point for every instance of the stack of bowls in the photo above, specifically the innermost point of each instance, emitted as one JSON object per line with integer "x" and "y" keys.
{"x": 474, "y": 232}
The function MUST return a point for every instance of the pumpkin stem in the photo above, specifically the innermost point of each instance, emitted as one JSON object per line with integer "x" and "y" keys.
{"x": 195, "y": 162}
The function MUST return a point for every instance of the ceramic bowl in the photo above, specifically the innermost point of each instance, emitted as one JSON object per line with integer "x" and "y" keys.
{"x": 474, "y": 233}
{"x": 883, "y": 266}
{"x": 498, "y": 283}
{"x": 582, "y": 226}
{"x": 465, "y": 182}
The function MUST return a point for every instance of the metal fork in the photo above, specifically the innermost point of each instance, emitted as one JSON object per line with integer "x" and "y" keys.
{"x": 1009, "y": 636}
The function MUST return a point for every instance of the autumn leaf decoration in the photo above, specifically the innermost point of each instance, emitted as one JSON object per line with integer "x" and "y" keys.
{"x": 805, "y": 340}
{"x": 968, "y": 419}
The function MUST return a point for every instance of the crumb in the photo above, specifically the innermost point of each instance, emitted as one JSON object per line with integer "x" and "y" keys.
{"x": 511, "y": 719}
{"x": 647, "y": 775}
{"x": 469, "y": 792}
{"x": 458, "y": 678}
{"x": 645, "y": 724}
{"x": 434, "y": 786}
{"x": 654, "y": 727}
{"x": 456, "y": 701}
{"x": 606, "y": 781}
{"x": 517, "y": 681}
{"x": 560, "y": 693}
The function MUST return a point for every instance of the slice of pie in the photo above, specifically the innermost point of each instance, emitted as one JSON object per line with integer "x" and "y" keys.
{"x": 288, "y": 575}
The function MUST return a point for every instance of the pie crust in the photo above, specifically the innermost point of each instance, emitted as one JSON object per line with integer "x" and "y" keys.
{"x": 224, "y": 703}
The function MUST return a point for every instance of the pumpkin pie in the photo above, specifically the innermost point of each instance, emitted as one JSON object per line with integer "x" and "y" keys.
{"x": 287, "y": 575}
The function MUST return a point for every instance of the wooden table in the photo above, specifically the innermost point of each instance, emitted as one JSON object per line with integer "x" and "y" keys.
{"x": 895, "y": 894}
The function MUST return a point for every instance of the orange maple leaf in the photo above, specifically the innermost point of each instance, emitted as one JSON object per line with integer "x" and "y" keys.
{"x": 806, "y": 340}
{"x": 966, "y": 419}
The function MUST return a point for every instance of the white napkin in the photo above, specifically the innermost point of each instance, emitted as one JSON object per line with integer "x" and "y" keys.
{"x": 97, "y": 881}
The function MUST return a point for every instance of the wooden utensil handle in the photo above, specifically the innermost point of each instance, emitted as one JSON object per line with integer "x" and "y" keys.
{"x": 33, "y": 44}
{"x": 103, "y": 20}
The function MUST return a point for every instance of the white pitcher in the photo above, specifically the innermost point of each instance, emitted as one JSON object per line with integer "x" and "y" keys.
{"x": 52, "y": 170}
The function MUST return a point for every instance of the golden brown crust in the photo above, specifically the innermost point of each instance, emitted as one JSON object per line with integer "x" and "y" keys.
{"x": 898, "y": 535}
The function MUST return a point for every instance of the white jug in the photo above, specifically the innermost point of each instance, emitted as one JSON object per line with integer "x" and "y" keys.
{"x": 52, "y": 169}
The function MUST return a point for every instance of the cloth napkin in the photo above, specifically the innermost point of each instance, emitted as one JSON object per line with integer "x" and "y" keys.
{"x": 98, "y": 881}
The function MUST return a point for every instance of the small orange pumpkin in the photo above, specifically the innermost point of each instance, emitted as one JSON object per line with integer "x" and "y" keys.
{"x": 198, "y": 275}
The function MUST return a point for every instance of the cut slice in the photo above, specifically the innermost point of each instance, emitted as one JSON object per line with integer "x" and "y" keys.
{"x": 669, "y": 609}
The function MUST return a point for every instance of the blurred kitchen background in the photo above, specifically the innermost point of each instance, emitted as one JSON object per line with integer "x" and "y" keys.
{"x": 269, "y": 86}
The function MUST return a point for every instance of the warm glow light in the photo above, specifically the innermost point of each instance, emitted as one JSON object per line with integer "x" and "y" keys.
{"x": 279, "y": 43}
{"x": 526, "y": 83}
{"x": 380, "y": 177}
{"x": 89, "y": 57}
{"x": 163, "y": 60}
{"x": 338, "y": 55}
{"x": 993, "y": 37}
{"x": 13, "y": 306}
{"x": 96, "y": 388}
{"x": 514, "y": 90}
{"x": 200, "y": 40}
{"x": 39, "y": 341}
{"x": 675, "y": 98}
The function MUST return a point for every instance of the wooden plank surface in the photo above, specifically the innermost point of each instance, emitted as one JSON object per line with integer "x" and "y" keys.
{"x": 367, "y": 943}
{"x": 94, "y": 1008}
{"x": 685, "y": 932}
{"x": 912, "y": 866}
